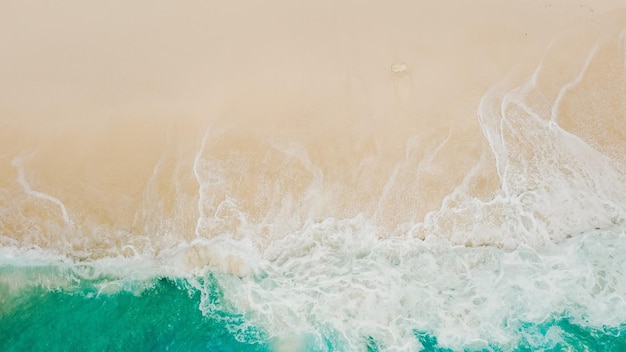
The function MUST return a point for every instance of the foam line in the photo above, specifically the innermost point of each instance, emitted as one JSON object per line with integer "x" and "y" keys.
{"x": 486, "y": 114}
{"x": 622, "y": 42}
{"x": 201, "y": 185}
{"x": 21, "y": 179}
{"x": 557, "y": 103}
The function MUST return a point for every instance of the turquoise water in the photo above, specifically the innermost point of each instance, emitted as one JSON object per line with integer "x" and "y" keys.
{"x": 163, "y": 314}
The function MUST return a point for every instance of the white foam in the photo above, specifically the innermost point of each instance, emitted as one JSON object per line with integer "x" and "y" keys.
{"x": 337, "y": 277}
{"x": 223, "y": 253}
{"x": 197, "y": 169}
{"x": 567, "y": 87}
{"x": 336, "y": 280}
{"x": 553, "y": 183}
{"x": 21, "y": 179}
{"x": 340, "y": 277}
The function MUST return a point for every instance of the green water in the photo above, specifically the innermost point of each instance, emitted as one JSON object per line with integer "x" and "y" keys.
{"x": 566, "y": 336}
{"x": 162, "y": 314}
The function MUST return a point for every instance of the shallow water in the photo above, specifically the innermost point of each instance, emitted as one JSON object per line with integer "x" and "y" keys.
{"x": 313, "y": 177}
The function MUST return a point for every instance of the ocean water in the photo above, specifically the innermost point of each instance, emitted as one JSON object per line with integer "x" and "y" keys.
{"x": 470, "y": 299}
{"x": 516, "y": 301}
{"x": 308, "y": 177}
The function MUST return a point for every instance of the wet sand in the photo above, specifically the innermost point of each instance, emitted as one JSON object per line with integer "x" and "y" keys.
{"x": 151, "y": 123}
